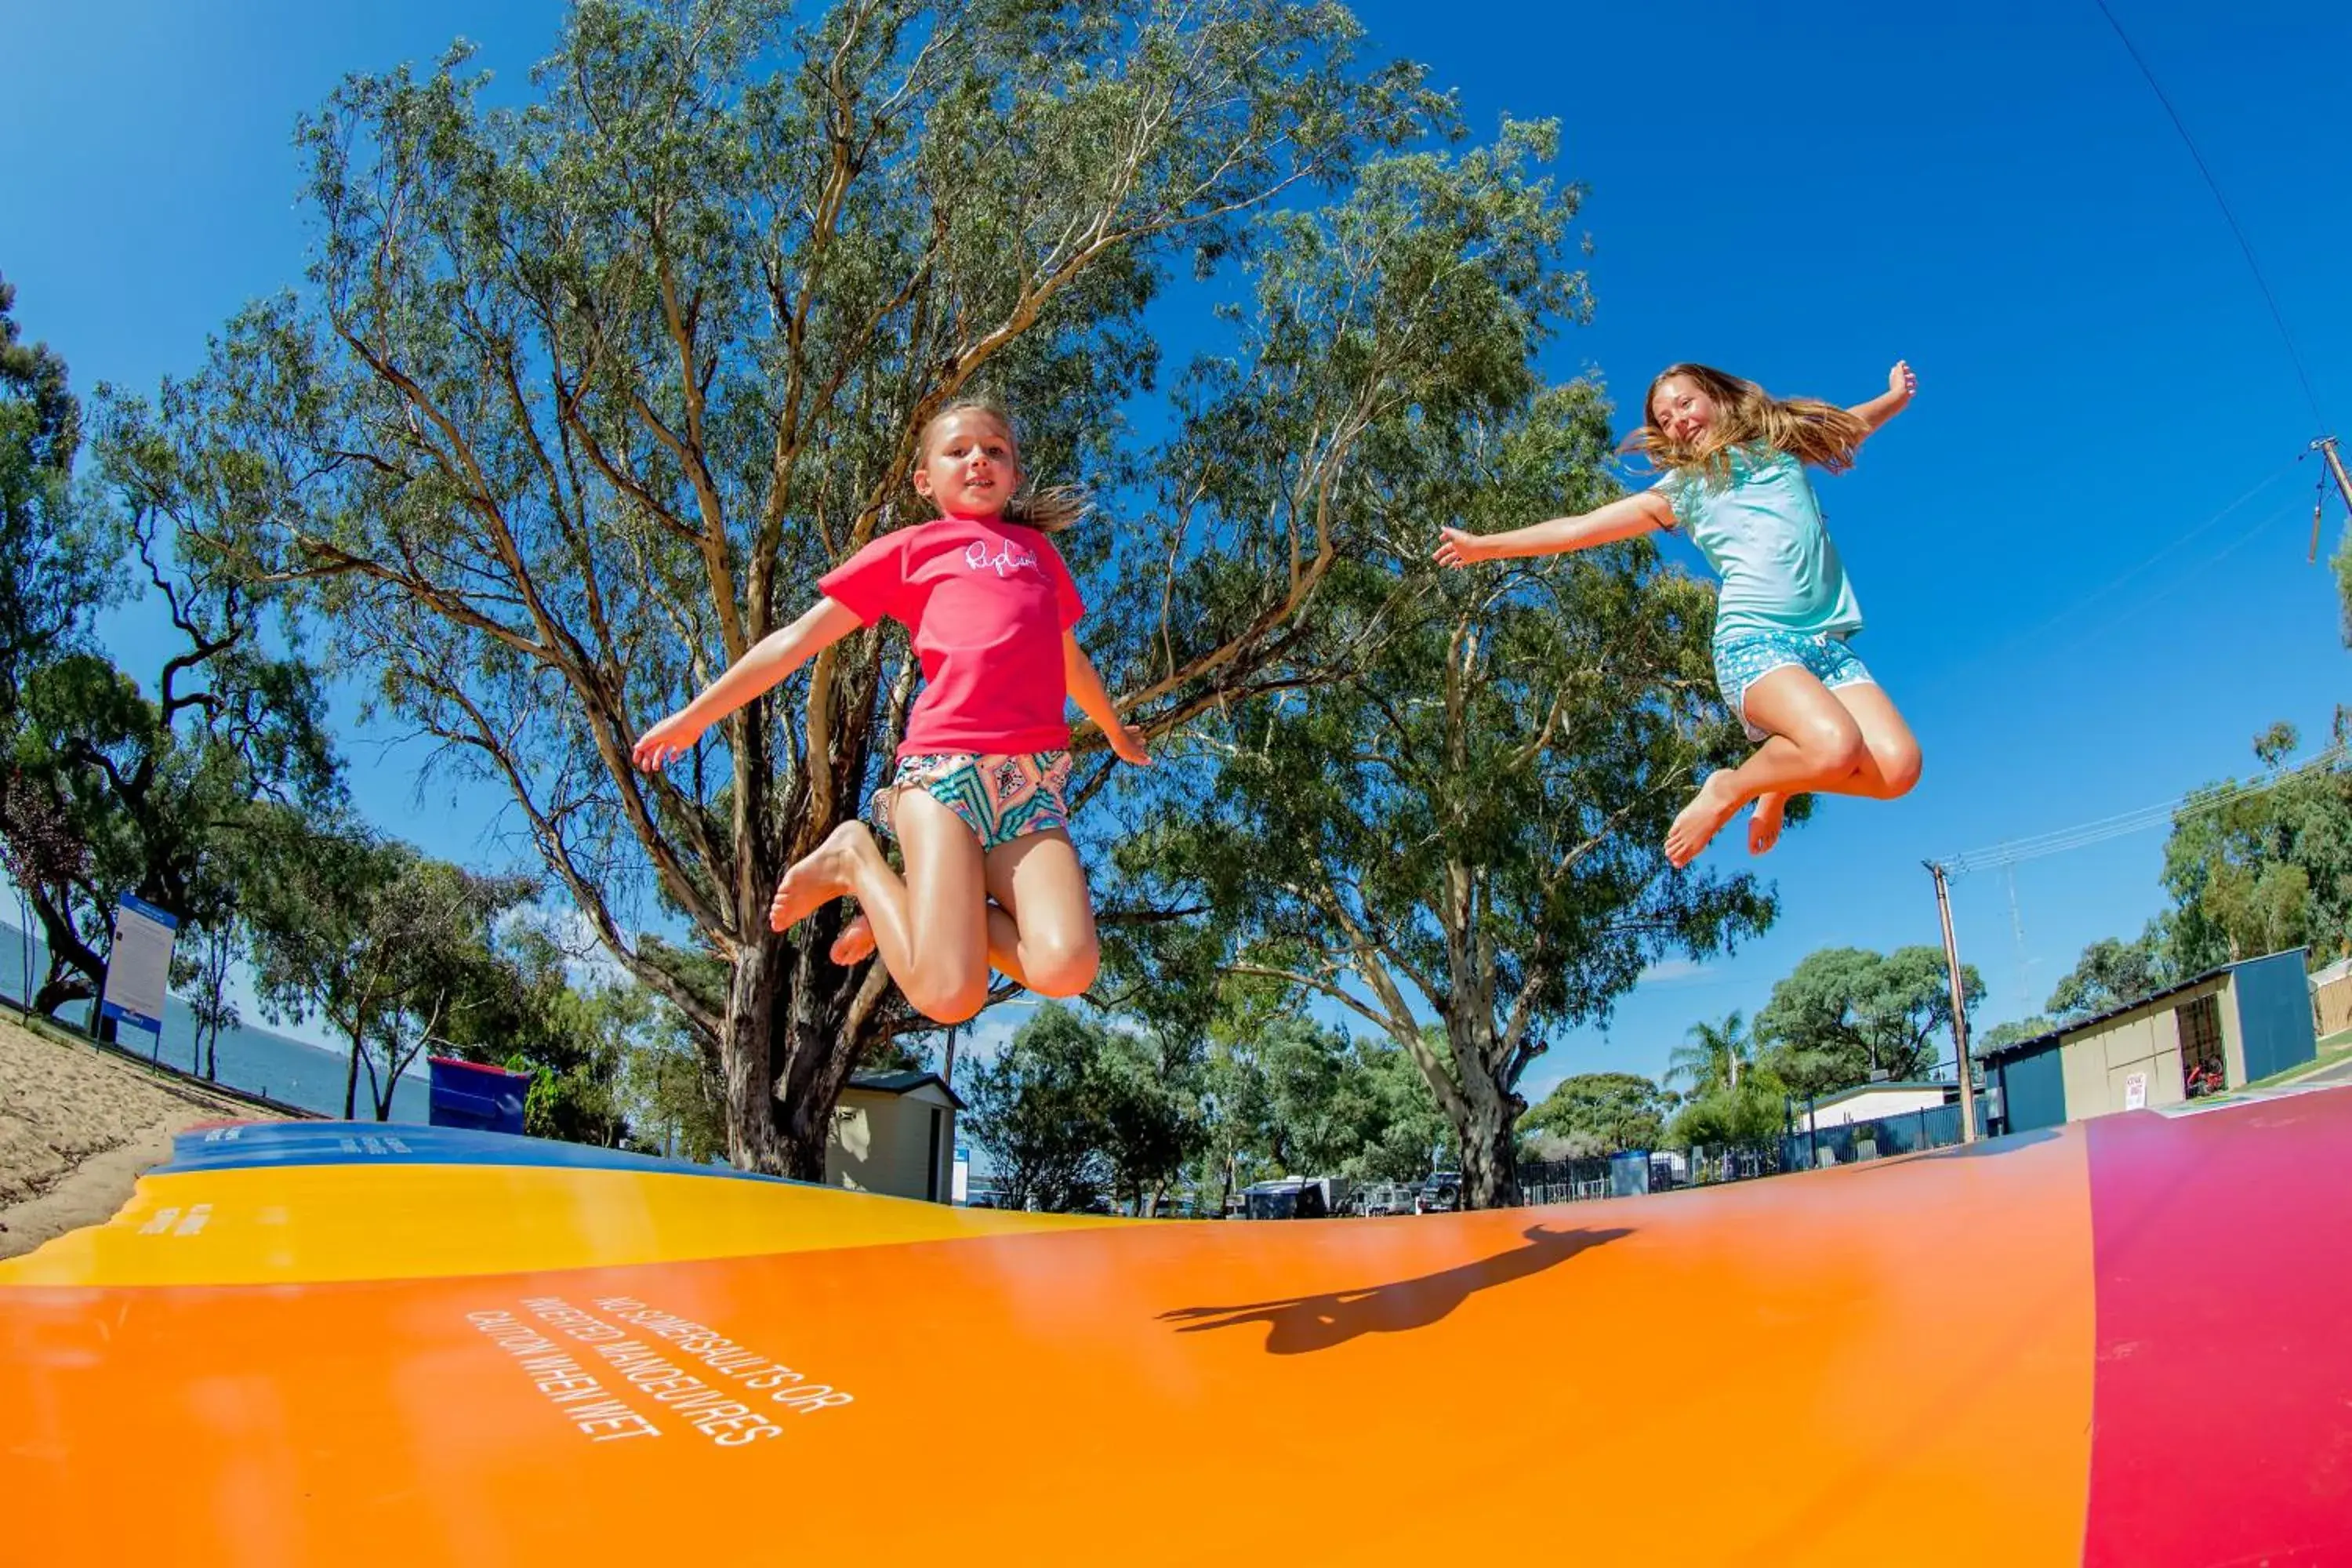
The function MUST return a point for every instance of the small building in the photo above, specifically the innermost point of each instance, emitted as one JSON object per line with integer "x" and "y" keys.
{"x": 2331, "y": 998}
{"x": 2222, "y": 1029}
{"x": 895, "y": 1134}
{"x": 1871, "y": 1102}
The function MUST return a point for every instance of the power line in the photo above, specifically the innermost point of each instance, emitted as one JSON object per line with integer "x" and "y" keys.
{"x": 2277, "y": 316}
{"x": 2083, "y": 834}
{"x": 2141, "y": 601}
{"x": 1969, "y": 663}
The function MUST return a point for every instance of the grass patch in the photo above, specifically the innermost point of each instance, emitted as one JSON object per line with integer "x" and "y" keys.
{"x": 2337, "y": 1048}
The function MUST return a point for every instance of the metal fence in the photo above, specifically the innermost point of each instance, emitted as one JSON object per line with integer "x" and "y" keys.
{"x": 1910, "y": 1132}
{"x": 1625, "y": 1176}
{"x": 1562, "y": 1180}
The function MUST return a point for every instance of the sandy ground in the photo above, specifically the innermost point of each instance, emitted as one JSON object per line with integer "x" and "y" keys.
{"x": 77, "y": 1127}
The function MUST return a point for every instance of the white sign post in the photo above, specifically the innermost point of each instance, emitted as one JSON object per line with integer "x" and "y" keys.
{"x": 2135, "y": 1092}
{"x": 139, "y": 966}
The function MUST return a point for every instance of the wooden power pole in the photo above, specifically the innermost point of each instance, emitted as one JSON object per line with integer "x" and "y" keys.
{"x": 1959, "y": 1008}
{"x": 2326, "y": 447}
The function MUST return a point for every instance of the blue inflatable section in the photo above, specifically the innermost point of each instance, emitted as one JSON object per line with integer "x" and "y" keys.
{"x": 404, "y": 1144}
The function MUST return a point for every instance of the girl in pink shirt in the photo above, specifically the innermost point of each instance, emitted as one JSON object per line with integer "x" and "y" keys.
{"x": 976, "y": 802}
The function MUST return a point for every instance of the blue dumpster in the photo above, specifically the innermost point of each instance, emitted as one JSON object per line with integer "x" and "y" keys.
{"x": 476, "y": 1095}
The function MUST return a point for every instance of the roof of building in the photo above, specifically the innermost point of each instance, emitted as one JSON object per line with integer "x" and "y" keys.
{"x": 903, "y": 1083}
{"x": 2051, "y": 1036}
{"x": 1923, "y": 1086}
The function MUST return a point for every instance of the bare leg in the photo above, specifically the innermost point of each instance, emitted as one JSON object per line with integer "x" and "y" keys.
{"x": 1889, "y": 770}
{"x": 1892, "y": 763}
{"x": 855, "y": 943}
{"x": 1848, "y": 742}
{"x": 1040, "y": 928}
{"x": 1814, "y": 744}
{"x": 929, "y": 928}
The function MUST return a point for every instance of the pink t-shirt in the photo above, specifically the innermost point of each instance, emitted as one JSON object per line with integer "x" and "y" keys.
{"x": 987, "y": 602}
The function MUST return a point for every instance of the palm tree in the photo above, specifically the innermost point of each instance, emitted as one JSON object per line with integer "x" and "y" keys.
{"x": 1716, "y": 1057}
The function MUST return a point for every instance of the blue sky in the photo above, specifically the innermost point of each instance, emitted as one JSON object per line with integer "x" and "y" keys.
{"x": 1996, "y": 197}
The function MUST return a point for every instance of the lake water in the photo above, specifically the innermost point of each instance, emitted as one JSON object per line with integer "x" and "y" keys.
{"x": 249, "y": 1057}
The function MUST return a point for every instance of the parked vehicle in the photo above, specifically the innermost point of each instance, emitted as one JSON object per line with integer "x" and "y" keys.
{"x": 1298, "y": 1197}
{"x": 1441, "y": 1193}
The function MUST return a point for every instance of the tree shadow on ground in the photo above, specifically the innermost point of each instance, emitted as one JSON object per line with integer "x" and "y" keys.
{"x": 1302, "y": 1323}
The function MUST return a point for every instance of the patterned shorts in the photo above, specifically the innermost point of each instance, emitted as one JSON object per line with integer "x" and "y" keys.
{"x": 1000, "y": 798}
{"x": 1740, "y": 661}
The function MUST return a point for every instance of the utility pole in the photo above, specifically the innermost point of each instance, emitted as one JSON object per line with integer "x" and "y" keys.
{"x": 2326, "y": 447}
{"x": 1960, "y": 1007}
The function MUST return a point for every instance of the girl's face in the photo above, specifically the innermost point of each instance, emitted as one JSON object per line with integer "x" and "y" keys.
{"x": 1681, "y": 411}
{"x": 971, "y": 466}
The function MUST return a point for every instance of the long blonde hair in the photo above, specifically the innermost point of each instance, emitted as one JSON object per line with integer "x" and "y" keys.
{"x": 1805, "y": 427}
{"x": 1048, "y": 510}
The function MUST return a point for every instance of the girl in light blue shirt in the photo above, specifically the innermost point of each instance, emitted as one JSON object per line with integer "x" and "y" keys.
{"x": 1735, "y": 482}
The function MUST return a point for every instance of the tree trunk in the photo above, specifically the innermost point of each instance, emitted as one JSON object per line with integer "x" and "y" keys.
{"x": 802, "y": 1114}
{"x": 59, "y": 989}
{"x": 746, "y": 1060}
{"x": 1490, "y": 1155}
{"x": 75, "y": 968}
{"x": 76, "y": 971}
{"x": 814, "y": 1053}
{"x": 351, "y": 1078}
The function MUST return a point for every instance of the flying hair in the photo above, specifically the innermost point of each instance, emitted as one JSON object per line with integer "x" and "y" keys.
{"x": 1048, "y": 510}
{"x": 1745, "y": 413}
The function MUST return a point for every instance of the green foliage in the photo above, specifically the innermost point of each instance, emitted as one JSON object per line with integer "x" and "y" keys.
{"x": 2010, "y": 1033}
{"x": 1036, "y": 1111}
{"x": 397, "y": 950}
{"x": 154, "y": 787}
{"x": 57, "y": 550}
{"x": 1149, "y": 1126}
{"x": 1317, "y": 1101}
{"x": 1846, "y": 1013}
{"x": 2266, "y": 865}
{"x": 1751, "y": 1116}
{"x": 676, "y": 1101}
{"x": 586, "y": 392}
{"x": 2111, "y": 974}
{"x": 1598, "y": 1114}
{"x": 515, "y": 1003}
{"x": 1714, "y": 1056}
{"x": 1471, "y": 829}
{"x": 201, "y": 962}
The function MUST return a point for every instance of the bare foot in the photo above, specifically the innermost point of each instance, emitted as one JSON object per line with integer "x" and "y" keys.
{"x": 1764, "y": 827}
{"x": 855, "y": 942}
{"x": 818, "y": 880}
{"x": 1717, "y": 801}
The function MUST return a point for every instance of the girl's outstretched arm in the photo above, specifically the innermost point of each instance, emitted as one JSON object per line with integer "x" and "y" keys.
{"x": 770, "y": 659}
{"x": 1620, "y": 518}
{"x": 1900, "y": 384}
{"x": 1086, "y": 690}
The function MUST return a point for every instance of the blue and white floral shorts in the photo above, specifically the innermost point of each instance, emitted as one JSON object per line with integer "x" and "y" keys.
{"x": 1740, "y": 661}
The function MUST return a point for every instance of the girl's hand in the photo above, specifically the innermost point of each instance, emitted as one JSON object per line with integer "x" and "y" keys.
{"x": 666, "y": 742}
{"x": 1127, "y": 744}
{"x": 1456, "y": 548}
{"x": 1901, "y": 382}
